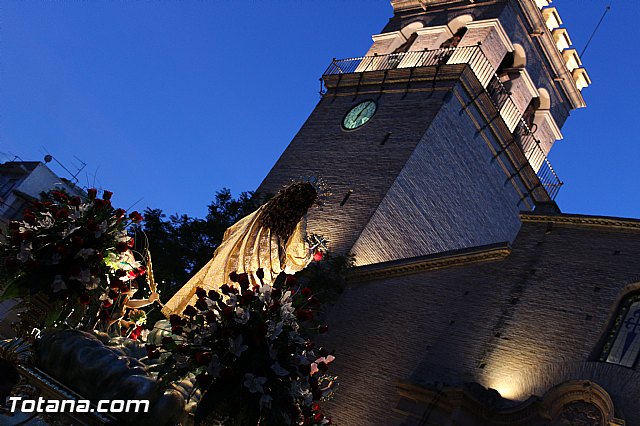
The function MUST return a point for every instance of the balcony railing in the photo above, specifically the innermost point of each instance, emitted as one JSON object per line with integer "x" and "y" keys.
{"x": 481, "y": 67}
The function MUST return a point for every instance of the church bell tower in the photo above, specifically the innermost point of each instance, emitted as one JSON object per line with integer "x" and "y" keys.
{"x": 437, "y": 137}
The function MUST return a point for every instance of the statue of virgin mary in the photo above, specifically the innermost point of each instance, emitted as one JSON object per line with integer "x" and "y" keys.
{"x": 273, "y": 238}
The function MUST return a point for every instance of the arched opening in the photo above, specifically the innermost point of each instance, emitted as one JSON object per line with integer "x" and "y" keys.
{"x": 410, "y": 35}
{"x": 458, "y": 22}
{"x": 545, "y": 100}
{"x": 621, "y": 344}
{"x": 519, "y": 56}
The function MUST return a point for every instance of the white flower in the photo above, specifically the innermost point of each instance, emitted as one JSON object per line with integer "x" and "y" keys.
{"x": 277, "y": 368}
{"x": 236, "y": 347}
{"x": 286, "y": 311}
{"x": 85, "y": 276}
{"x": 93, "y": 283}
{"x": 85, "y": 253}
{"x": 214, "y": 366}
{"x": 58, "y": 284}
{"x": 47, "y": 221}
{"x": 232, "y": 300}
{"x": 242, "y": 316}
{"x": 25, "y": 252}
{"x": 273, "y": 329}
{"x": 265, "y": 293}
{"x": 253, "y": 383}
{"x": 66, "y": 232}
{"x": 55, "y": 258}
{"x": 265, "y": 401}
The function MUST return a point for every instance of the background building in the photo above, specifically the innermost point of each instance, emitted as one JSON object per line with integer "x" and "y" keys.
{"x": 474, "y": 300}
{"x": 22, "y": 182}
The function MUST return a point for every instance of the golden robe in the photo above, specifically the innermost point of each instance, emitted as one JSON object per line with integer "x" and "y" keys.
{"x": 246, "y": 247}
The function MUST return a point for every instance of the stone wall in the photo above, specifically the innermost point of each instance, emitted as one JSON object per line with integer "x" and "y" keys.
{"x": 520, "y": 326}
{"x": 365, "y": 161}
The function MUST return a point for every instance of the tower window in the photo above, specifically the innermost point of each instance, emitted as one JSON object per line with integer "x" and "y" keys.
{"x": 622, "y": 346}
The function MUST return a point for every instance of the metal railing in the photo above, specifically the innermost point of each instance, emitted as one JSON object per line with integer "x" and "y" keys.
{"x": 483, "y": 70}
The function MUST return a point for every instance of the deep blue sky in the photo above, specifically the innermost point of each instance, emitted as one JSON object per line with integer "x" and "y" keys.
{"x": 170, "y": 101}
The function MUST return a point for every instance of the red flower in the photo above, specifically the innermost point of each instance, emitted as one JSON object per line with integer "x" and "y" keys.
{"x": 200, "y": 292}
{"x": 247, "y": 297}
{"x": 190, "y": 311}
{"x": 136, "y": 217}
{"x": 210, "y": 316}
{"x": 315, "y": 407}
{"x": 203, "y": 358}
{"x": 243, "y": 281}
{"x": 103, "y": 315}
{"x": 101, "y": 203}
{"x": 112, "y": 294}
{"x": 276, "y": 293}
{"x": 306, "y": 292}
{"x": 175, "y": 319}
{"x": 227, "y": 312}
{"x": 75, "y": 201}
{"x": 58, "y": 195}
{"x": 119, "y": 213}
{"x": 106, "y": 195}
{"x": 131, "y": 242}
{"x": 84, "y": 299}
{"x": 204, "y": 380}
{"x": 291, "y": 280}
{"x": 304, "y": 315}
{"x": 92, "y": 225}
{"x": 77, "y": 241}
{"x": 318, "y": 256}
{"x": 122, "y": 247}
{"x": 318, "y": 417}
{"x": 29, "y": 218}
{"x": 202, "y": 304}
{"x": 106, "y": 304}
{"x": 92, "y": 193}
{"x": 323, "y": 329}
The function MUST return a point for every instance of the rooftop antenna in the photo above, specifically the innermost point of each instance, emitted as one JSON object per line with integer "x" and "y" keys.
{"x": 74, "y": 177}
{"x": 606, "y": 10}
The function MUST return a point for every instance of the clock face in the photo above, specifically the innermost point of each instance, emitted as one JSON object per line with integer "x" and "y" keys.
{"x": 359, "y": 115}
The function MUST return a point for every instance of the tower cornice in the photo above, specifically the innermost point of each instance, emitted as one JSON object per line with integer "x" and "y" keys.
{"x": 549, "y": 48}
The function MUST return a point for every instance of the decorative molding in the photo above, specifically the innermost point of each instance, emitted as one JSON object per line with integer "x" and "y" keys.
{"x": 495, "y": 23}
{"x": 583, "y": 220}
{"x": 574, "y": 402}
{"x": 385, "y": 36}
{"x": 549, "y": 49}
{"x": 394, "y": 268}
{"x": 545, "y": 116}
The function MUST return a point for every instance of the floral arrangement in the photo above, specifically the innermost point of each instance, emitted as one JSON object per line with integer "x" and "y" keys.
{"x": 70, "y": 250}
{"x": 248, "y": 349}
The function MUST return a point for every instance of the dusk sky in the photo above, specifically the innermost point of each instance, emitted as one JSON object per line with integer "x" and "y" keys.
{"x": 169, "y": 101}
